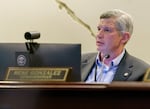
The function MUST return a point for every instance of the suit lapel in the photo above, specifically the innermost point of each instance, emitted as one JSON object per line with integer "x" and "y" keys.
{"x": 125, "y": 69}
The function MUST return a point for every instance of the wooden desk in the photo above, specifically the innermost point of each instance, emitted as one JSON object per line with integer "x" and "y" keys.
{"x": 48, "y": 95}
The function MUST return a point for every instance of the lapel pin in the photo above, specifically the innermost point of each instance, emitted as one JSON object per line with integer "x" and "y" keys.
{"x": 126, "y": 74}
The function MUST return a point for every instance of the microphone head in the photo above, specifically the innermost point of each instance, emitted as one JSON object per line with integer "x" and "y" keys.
{"x": 106, "y": 56}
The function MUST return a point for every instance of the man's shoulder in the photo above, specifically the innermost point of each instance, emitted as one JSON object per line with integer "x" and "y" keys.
{"x": 89, "y": 54}
{"x": 137, "y": 61}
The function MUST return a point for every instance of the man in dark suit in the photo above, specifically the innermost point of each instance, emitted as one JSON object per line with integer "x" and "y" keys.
{"x": 113, "y": 62}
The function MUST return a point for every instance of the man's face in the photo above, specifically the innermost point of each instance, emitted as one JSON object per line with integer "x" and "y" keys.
{"x": 108, "y": 39}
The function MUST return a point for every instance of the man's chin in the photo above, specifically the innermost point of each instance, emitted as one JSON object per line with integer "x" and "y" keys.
{"x": 98, "y": 49}
{"x": 101, "y": 50}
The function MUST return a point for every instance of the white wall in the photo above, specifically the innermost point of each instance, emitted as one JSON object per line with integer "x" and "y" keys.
{"x": 56, "y": 26}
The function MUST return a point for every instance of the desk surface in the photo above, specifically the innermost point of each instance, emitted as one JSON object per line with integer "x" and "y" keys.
{"x": 76, "y": 85}
{"x": 78, "y": 95}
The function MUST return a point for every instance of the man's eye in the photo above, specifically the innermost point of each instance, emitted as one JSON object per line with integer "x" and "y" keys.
{"x": 98, "y": 29}
{"x": 107, "y": 30}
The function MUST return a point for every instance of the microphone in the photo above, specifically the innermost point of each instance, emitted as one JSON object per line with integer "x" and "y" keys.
{"x": 106, "y": 57}
{"x": 101, "y": 72}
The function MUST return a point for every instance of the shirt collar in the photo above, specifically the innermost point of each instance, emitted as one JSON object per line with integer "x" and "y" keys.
{"x": 114, "y": 62}
{"x": 117, "y": 60}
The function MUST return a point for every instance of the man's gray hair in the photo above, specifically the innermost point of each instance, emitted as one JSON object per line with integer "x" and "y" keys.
{"x": 124, "y": 22}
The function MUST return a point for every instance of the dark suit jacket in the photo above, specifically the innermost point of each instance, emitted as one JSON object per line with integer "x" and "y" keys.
{"x": 130, "y": 68}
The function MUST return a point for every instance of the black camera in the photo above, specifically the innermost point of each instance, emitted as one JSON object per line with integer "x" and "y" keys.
{"x": 32, "y": 35}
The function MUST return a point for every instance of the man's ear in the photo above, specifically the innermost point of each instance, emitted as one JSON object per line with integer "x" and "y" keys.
{"x": 125, "y": 37}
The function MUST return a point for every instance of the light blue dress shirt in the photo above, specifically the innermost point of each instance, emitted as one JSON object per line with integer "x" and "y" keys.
{"x": 104, "y": 73}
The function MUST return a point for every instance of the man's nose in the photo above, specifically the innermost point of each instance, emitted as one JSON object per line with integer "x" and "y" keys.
{"x": 100, "y": 33}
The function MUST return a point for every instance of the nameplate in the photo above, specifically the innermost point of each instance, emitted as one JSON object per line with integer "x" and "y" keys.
{"x": 147, "y": 76}
{"x": 37, "y": 74}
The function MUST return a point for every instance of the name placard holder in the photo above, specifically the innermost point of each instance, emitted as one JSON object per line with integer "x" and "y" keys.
{"x": 147, "y": 76}
{"x": 37, "y": 74}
